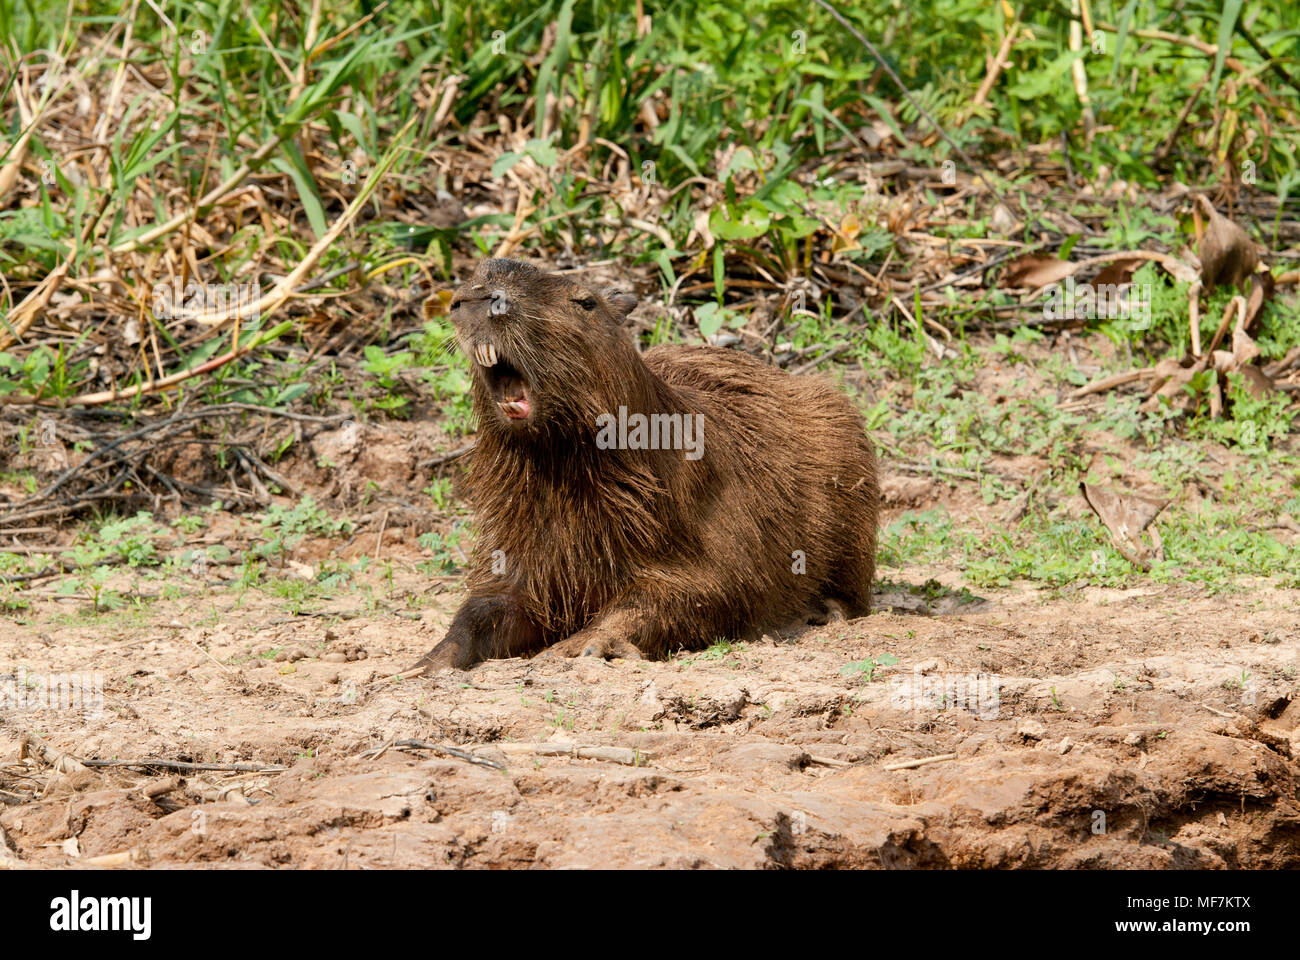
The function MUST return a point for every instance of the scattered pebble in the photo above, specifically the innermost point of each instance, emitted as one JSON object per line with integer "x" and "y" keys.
{"x": 1031, "y": 729}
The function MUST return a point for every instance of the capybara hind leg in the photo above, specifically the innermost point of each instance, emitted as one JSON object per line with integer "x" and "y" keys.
{"x": 853, "y": 603}
{"x": 851, "y": 589}
{"x": 484, "y": 628}
{"x": 828, "y": 608}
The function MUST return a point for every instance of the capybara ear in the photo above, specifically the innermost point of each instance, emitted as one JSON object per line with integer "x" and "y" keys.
{"x": 620, "y": 301}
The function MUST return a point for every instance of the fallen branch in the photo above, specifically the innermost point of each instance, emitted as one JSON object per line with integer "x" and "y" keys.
{"x": 624, "y": 755}
{"x": 184, "y": 767}
{"x": 922, "y": 762}
{"x": 444, "y": 458}
{"x": 1113, "y": 381}
{"x": 449, "y": 751}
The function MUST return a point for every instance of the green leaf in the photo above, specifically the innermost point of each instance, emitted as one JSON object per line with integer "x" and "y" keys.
{"x": 1125, "y": 18}
{"x": 1046, "y": 80}
{"x": 739, "y": 222}
{"x": 887, "y": 115}
{"x": 296, "y": 167}
{"x": 666, "y": 265}
{"x": 676, "y": 150}
{"x": 1227, "y": 24}
{"x": 542, "y": 151}
{"x": 710, "y": 317}
{"x": 290, "y": 393}
{"x": 504, "y": 163}
{"x": 274, "y": 333}
{"x": 353, "y": 125}
{"x": 820, "y": 111}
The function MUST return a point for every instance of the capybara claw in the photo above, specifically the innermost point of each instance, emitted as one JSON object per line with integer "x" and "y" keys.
{"x": 600, "y": 647}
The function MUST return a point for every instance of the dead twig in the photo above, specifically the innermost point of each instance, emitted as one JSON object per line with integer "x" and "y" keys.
{"x": 450, "y": 752}
{"x": 445, "y": 458}
{"x": 184, "y": 767}
{"x": 922, "y": 762}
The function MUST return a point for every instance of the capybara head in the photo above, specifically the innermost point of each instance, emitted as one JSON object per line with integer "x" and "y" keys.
{"x": 547, "y": 353}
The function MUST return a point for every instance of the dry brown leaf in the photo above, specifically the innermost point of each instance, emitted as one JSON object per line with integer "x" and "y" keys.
{"x": 1117, "y": 273}
{"x": 899, "y": 216}
{"x": 1125, "y": 516}
{"x": 845, "y": 234}
{"x": 1256, "y": 381}
{"x": 1262, "y": 286}
{"x": 1034, "y": 271}
{"x": 1165, "y": 369}
{"x": 438, "y": 304}
{"x": 1228, "y": 255}
{"x": 1224, "y": 361}
{"x": 1003, "y": 221}
{"x": 1244, "y": 349}
{"x": 1171, "y": 376}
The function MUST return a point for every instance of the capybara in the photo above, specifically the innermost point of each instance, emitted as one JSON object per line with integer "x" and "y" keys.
{"x": 630, "y": 504}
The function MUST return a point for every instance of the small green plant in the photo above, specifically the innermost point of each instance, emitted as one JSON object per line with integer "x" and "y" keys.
{"x": 439, "y": 491}
{"x": 868, "y": 670}
{"x": 387, "y": 373}
{"x": 720, "y": 650}
{"x": 43, "y": 372}
{"x": 189, "y": 524}
{"x": 446, "y": 550}
{"x": 94, "y": 584}
{"x": 284, "y": 527}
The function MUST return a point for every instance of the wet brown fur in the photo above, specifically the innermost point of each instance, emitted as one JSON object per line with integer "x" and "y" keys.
{"x": 642, "y": 552}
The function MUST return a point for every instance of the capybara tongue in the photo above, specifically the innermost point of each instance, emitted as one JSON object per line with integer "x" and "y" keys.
{"x": 516, "y": 408}
{"x": 512, "y": 396}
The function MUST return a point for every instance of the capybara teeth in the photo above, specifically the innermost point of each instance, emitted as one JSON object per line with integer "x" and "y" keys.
{"x": 486, "y": 354}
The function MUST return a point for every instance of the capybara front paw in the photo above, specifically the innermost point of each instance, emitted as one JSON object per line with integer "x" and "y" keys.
{"x": 444, "y": 655}
{"x": 591, "y": 646}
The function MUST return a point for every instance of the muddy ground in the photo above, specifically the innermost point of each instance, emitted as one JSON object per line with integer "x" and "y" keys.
{"x": 1150, "y": 727}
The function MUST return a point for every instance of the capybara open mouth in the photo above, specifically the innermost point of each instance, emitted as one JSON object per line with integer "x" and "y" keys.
{"x": 505, "y": 382}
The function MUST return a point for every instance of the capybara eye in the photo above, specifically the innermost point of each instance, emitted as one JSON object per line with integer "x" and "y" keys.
{"x": 587, "y": 303}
